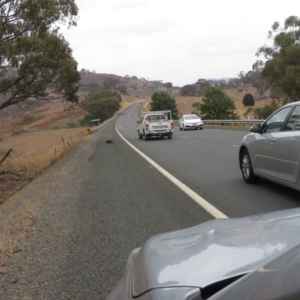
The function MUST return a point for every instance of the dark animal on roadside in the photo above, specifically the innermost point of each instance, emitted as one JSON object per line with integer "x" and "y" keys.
{"x": 109, "y": 142}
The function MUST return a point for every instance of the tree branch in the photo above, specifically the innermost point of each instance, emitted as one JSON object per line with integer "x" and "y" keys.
{"x": 5, "y": 156}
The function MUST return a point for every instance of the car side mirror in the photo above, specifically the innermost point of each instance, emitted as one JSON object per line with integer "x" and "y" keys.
{"x": 255, "y": 128}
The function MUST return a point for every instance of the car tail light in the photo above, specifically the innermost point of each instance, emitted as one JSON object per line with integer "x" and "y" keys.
{"x": 147, "y": 126}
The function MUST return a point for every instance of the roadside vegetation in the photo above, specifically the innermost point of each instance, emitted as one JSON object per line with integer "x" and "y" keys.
{"x": 164, "y": 101}
{"x": 101, "y": 105}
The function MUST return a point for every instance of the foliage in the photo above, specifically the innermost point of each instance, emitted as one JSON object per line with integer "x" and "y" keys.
{"x": 162, "y": 100}
{"x": 248, "y": 100}
{"x": 248, "y": 112}
{"x": 111, "y": 83}
{"x": 91, "y": 87}
{"x": 282, "y": 68}
{"x": 21, "y": 131}
{"x": 188, "y": 90}
{"x": 217, "y": 105}
{"x": 54, "y": 127}
{"x": 101, "y": 105}
{"x": 195, "y": 104}
{"x": 71, "y": 125}
{"x": 35, "y": 60}
{"x": 30, "y": 119}
{"x": 168, "y": 85}
{"x": 266, "y": 111}
{"x": 122, "y": 89}
{"x": 202, "y": 85}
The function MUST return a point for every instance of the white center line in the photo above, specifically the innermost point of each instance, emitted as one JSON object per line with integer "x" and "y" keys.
{"x": 187, "y": 137}
{"x": 235, "y": 146}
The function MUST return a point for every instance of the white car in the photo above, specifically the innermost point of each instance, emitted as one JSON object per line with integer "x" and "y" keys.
{"x": 191, "y": 121}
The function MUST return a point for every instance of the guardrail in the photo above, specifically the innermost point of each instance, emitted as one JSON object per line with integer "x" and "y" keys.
{"x": 95, "y": 128}
{"x": 232, "y": 122}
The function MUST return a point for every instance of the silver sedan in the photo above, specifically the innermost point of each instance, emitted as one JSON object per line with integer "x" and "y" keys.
{"x": 272, "y": 149}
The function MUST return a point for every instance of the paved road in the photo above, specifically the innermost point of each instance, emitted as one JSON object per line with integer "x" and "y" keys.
{"x": 207, "y": 161}
{"x": 102, "y": 200}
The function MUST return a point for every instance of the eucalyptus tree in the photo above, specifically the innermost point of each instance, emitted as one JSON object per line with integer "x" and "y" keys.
{"x": 35, "y": 59}
{"x": 282, "y": 66}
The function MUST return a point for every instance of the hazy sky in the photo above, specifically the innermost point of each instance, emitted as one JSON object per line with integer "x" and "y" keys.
{"x": 171, "y": 40}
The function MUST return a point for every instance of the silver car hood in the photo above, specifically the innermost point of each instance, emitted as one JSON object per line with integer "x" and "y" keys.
{"x": 214, "y": 251}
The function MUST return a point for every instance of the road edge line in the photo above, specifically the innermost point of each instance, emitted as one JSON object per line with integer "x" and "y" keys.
{"x": 197, "y": 198}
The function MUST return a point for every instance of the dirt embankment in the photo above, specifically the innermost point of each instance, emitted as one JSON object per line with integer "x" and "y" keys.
{"x": 32, "y": 153}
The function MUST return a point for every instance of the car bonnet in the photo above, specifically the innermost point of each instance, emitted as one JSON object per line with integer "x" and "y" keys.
{"x": 214, "y": 251}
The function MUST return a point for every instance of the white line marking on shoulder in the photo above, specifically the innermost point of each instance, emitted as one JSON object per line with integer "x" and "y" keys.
{"x": 197, "y": 198}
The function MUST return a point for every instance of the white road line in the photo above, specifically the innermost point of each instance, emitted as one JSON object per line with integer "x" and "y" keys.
{"x": 187, "y": 137}
{"x": 132, "y": 109}
{"x": 235, "y": 146}
{"x": 245, "y": 132}
{"x": 198, "y": 199}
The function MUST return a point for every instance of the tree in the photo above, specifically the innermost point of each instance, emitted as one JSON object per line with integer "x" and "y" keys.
{"x": 248, "y": 100}
{"x": 188, "y": 90}
{"x": 168, "y": 85}
{"x": 111, "y": 83}
{"x": 122, "y": 89}
{"x": 217, "y": 105}
{"x": 101, "y": 105}
{"x": 201, "y": 86}
{"x": 266, "y": 111}
{"x": 282, "y": 67}
{"x": 32, "y": 51}
{"x": 162, "y": 100}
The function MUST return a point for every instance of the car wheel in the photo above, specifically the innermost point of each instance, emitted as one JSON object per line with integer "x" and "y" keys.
{"x": 180, "y": 127}
{"x": 146, "y": 137}
{"x": 246, "y": 167}
{"x": 140, "y": 136}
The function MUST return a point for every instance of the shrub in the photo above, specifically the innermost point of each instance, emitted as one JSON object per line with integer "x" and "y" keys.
{"x": 71, "y": 125}
{"x": 248, "y": 100}
{"x": 30, "y": 119}
{"x": 54, "y": 127}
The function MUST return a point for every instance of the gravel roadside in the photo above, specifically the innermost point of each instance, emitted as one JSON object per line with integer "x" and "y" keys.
{"x": 49, "y": 203}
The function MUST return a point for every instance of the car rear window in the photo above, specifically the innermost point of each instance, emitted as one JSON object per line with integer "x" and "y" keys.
{"x": 156, "y": 117}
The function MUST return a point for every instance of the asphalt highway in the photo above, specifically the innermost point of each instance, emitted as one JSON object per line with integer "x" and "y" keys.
{"x": 207, "y": 162}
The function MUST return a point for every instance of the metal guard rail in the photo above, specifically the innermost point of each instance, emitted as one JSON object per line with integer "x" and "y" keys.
{"x": 222, "y": 122}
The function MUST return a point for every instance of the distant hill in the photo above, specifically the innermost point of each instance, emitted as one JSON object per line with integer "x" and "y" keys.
{"x": 93, "y": 82}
